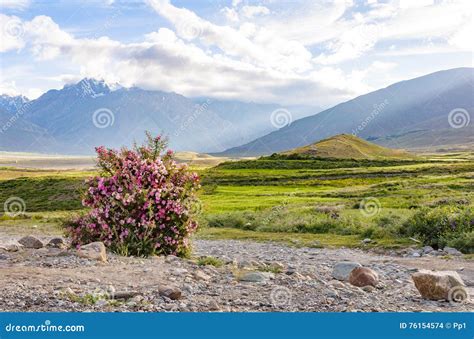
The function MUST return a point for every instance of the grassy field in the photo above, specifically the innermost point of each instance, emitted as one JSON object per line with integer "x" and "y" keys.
{"x": 302, "y": 202}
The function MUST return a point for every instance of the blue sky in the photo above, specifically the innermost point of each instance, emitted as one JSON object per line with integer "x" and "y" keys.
{"x": 290, "y": 52}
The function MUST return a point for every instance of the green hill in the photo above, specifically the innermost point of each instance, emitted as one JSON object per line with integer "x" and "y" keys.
{"x": 346, "y": 146}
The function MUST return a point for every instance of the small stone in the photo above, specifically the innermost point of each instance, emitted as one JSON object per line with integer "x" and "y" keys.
{"x": 213, "y": 306}
{"x": 12, "y": 248}
{"x": 427, "y": 249}
{"x": 446, "y": 285}
{"x": 95, "y": 250}
{"x": 68, "y": 291}
{"x": 56, "y": 243}
{"x": 367, "y": 241}
{"x": 368, "y": 288}
{"x": 31, "y": 242}
{"x": 416, "y": 254}
{"x": 200, "y": 275}
{"x": 343, "y": 269}
{"x": 171, "y": 258}
{"x": 337, "y": 284}
{"x": 363, "y": 276}
{"x": 253, "y": 277}
{"x": 173, "y": 293}
{"x": 452, "y": 251}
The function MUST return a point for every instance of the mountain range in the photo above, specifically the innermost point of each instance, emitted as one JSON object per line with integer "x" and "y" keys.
{"x": 428, "y": 112}
{"x": 78, "y": 117}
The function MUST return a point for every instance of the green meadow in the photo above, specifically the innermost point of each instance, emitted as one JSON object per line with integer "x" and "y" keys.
{"x": 319, "y": 202}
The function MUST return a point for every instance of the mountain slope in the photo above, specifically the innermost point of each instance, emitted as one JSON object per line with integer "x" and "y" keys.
{"x": 18, "y": 134}
{"x": 345, "y": 146}
{"x": 420, "y": 104}
{"x": 81, "y": 116}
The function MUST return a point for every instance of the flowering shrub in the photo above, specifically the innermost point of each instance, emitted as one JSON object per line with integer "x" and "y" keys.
{"x": 142, "y": 202}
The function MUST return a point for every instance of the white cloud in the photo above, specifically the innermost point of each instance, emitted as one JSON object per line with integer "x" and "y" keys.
{"x": 230, "y": 14}
{"x": 15, "y": 4}
{"x": 252, "y": 11}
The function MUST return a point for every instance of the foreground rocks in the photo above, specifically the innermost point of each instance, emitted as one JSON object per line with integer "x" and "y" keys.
{"x": 343, "y": 269}
{"x": 30, "y": 242}
{"x": 253, "y": 277}
{"x": 363, "y": 276}
{"x": 95, "y": 251}
{"x": 445, "y": 285}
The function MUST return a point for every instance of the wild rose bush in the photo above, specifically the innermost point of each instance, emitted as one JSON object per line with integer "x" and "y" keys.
{"x": 142, "y": 203}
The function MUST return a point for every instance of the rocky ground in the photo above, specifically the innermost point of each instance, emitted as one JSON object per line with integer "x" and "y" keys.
{"x": 252, "y": 277}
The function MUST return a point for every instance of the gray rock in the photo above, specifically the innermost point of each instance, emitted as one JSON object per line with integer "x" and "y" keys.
{"x": 452, "y": 251}
{"x": 31, "y": 242}
{"x": 427, "y": 249}
{"x": 343, "y": 269}
{"x": 367, "y": 241}
{"x": 200, "y": 275}
{"x": 416, "y": 254}
{"x": 56, "y": 243}
{"x": 253, "y": 277}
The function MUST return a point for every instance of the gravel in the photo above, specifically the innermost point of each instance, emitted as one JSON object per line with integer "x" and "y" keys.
{"x": 57, "y": 280}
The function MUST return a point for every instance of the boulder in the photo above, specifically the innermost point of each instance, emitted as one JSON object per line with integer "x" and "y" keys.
{"x": 343, "y": 269}
{"x": 440, "y": 285}
{"x": 95, "y": 251}
{"x": 452, "y": 251}
{"x": 31, "y": 242}
{"x": 173, "y": 293}
{"x": 363, "y": 276}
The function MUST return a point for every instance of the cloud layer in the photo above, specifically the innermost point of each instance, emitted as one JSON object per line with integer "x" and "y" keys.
{"x": 306, "y": 52}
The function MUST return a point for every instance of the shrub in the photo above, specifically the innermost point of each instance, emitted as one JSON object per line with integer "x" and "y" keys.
{"x": 241, "y": 220}
{"x": 142, "y": 202}
{"x": 435, "y": 226}
{"x": 464, "y": 242}
{"x": 212, "y": 261}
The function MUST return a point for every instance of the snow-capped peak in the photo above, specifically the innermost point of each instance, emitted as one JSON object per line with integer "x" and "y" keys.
{"x": 88, "y": 87}
{"x": 12, "y": 104}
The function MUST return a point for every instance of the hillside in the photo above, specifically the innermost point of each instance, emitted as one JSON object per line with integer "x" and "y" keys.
{"x": 345, "y": 146}
{"x": 407, "y": 114}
